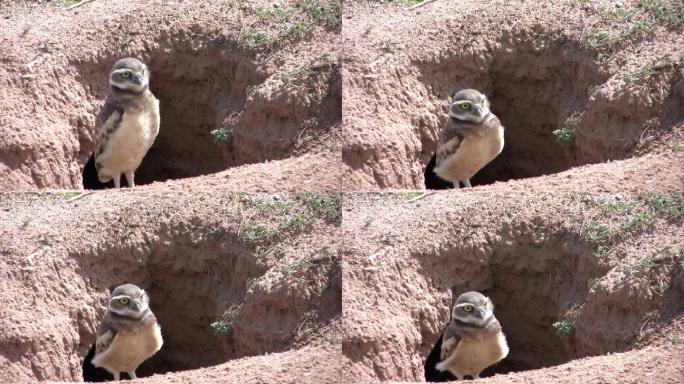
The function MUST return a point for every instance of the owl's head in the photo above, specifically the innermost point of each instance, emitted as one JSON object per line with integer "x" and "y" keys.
{"x": 128, "y": 300}
{"x": 469, "y": 105}
{"x": 129, "y": 75}
{"x": 473, "y": 308}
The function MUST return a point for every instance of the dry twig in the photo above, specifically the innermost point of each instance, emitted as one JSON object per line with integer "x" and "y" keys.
{"x": 80, "y": 196}
{"x": 425, "y": 194}
{"x": 421, "y": 4}
{"x": 84, "y": 2}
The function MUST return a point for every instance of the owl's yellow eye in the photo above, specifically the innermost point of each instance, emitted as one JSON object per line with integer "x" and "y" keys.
{"x": 123, "y": 301}
{"x": 468, "y": 308}
{"x": 125, "y": 74}
{"x": 465, "y": 107}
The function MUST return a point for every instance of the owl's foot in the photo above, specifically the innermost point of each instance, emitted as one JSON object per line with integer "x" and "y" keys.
{"x": 117, "y": 180}
{"x": 132, "y": 375}
{"x": 466, "y": 183}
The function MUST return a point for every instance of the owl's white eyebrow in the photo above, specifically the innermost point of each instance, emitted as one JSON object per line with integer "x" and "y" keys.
{"x": 119, "y": 297}
{"x": 464, "y": 305}
{"x": 121, "y": 70}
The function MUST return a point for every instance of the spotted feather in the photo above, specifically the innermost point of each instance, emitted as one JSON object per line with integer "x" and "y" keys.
{"x": 105, "y": 336}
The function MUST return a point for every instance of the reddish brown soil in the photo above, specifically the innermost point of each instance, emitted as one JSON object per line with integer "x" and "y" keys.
{"x": 312, "y": 173}
{"x": 542, "y": 258}
{"x": 202, "y": 258}
{"x": 643, "y": 366}
{"x": 536, "y": 63}
{"x": 279, "y": 100}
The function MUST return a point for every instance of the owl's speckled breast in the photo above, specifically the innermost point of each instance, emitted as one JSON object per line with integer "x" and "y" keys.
{"x": 129, "y": 349}
{"x": 131, "y": 141}
{"x": 474, "y": 152}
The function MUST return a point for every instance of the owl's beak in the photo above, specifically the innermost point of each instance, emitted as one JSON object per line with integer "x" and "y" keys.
{"x": 136, "y": 306}
{"x": 137, "y": 79}
{"x": 479, "y": 313}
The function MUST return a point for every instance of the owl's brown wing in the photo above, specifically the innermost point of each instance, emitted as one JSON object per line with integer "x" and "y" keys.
{"x": 449, "y": 142}
{"x": 105, "y": 336}
{"x": 108, "y": 120}
{"x": 450, "y": 341}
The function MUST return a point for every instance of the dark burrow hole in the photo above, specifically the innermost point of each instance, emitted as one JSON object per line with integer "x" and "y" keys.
{"x": 530, "y": 294}
{"x": 201, "y": 90}
{"x": 533, "y": 93}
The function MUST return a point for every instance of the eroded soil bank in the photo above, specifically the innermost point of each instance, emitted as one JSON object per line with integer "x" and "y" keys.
{"x": 572, "y": 276}
{"x": 588, "y": 92}
{"x": 230, "y": 276}
{"x": 239, "y": 84}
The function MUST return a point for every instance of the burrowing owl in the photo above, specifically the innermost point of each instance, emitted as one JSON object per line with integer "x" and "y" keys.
{"x": 129, "y": 333}
{"x": 472, "y": 138}
{"x": 473, "y": 340}
{"x": 127, "y": 124}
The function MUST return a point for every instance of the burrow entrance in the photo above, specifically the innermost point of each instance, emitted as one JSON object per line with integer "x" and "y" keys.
{"x": 192, "y": 286}
{"x": 534, "y": 92}
{"x": 533, "y": 286}
{"x": 206, "y": 86}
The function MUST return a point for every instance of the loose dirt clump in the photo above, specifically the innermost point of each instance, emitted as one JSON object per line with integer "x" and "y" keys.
{"x": 230, "y": 277}
{"x": 565, "y": 99}
{"x": 238, "y": 84}
{"x": 571, "y": 276}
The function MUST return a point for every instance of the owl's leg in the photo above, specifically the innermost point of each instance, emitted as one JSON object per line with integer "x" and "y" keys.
{"x": 117, "y": 180}
{"x": 456, "y": 184}
{"x": 117, "y": 376}
{"x": 132, "y": 375}
{"x": 129, "y": 178}
{"x": 476, "y": 376}
{"x": 459, "y": 378}
{"x": 466, "y": 182}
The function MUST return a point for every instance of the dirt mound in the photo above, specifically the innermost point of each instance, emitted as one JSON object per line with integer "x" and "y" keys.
{"x": 238, "y": 84}
{"x": 311, "y": 173}
{"x": 571, "y": 276}
{"x": 229, "y": 275}
{"x": 565, "y": 98}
